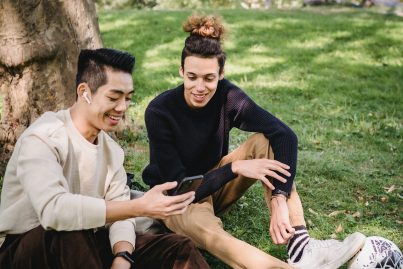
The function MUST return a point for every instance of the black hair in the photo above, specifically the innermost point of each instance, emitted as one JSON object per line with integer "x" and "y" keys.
{"x": 204, "y": 47}
{"x": 92, "y": 64}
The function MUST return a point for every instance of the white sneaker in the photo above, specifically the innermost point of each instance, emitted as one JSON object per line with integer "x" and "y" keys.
{"x": 329, "y": 254}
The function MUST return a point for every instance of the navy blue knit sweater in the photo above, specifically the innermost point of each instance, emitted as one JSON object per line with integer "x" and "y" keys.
{"x": 187, "y": 142}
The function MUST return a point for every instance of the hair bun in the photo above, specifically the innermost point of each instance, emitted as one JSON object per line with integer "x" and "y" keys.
{"x": 205, "y": 26}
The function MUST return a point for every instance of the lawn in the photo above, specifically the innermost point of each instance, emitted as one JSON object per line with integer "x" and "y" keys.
{"x": 334, "y": 76}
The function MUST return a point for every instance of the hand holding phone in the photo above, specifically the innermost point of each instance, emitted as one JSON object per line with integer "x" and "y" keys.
{"x": 156, "y": 204}
{"x": 189, "y": 184}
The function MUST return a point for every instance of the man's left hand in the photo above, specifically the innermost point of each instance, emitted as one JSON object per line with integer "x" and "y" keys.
{"x": 280, "y": 227}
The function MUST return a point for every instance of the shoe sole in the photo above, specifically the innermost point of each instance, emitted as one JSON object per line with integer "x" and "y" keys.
{"x": 358, "y": 241}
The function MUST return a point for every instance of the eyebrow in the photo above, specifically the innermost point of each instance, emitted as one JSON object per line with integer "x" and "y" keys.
{"x": 121, "y": 91}
{"x": 205, "y": 75}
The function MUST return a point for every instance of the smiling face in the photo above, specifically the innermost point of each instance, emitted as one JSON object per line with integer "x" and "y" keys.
{"x": 110, "y": 102}
{"x": 200, "y": 77}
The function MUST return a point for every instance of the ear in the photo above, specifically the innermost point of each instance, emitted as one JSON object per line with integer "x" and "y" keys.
{"x": 181, "y": 71}
{"x": 222, "y": 74}
{"x": 81, "y": 88}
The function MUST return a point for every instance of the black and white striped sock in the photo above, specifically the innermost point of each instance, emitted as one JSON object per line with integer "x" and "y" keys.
{"x": 297, "y": 243}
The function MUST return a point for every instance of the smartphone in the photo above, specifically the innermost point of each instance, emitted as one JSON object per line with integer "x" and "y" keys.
{"x": 189, "y": 184}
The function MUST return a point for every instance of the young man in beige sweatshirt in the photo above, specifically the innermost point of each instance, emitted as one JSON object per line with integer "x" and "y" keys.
{"x": 65, "y": 203}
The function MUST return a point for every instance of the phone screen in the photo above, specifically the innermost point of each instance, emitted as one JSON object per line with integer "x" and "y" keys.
{"x": 189, "y": 184}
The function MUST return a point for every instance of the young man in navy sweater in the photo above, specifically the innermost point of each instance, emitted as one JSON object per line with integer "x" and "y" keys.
{"x": 188, "y": 129}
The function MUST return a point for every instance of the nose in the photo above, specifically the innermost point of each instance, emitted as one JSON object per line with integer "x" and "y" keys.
{"x": 200, "y": 85}
{"x": 122, "y": 105}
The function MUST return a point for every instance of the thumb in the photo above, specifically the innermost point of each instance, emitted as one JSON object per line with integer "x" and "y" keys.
{"x": 290, "y": 229}
{"x": 167, "y": 186}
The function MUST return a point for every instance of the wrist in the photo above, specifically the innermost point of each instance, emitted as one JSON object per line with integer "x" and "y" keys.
{"x": 119, "y": 261}
{"x": 124, "y": 257}
{"x": 277, "y": 192}
{"x": 136, "y": 207}
{"x": 234, "y": 166}
{"x": 278, "y": 196}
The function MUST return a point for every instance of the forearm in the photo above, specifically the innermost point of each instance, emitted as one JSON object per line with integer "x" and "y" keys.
{"x": 214, "y": 180}
{"x": 283, "y": 140}
{"x": 120, "y": 210}
{"x": 285, "y": 147}
{"x": 122, "y": 246}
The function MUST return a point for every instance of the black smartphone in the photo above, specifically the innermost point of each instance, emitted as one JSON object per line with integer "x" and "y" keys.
{"x": 189, "y": 184}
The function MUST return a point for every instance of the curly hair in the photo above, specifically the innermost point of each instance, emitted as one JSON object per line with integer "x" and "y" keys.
{"x": 206, "y": 33}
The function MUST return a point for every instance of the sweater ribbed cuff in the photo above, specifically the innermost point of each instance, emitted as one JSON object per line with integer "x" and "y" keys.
{"x": 214, "y": 180}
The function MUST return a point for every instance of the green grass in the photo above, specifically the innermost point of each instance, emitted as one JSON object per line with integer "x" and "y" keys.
{"x": 333, "y": 75}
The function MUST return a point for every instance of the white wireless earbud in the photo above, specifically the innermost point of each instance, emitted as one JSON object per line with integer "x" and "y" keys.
{"x": 85, "y": 95}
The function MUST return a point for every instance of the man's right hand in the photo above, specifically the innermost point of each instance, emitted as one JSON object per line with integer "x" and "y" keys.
{"x": 261, "y": 169}
{"x": 156, "y": 204}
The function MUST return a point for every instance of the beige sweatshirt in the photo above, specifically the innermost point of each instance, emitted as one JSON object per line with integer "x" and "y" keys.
{"x": 57, "y": 179}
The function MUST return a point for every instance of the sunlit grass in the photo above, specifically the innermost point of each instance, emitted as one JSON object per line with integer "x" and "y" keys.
{"x": 333, "y": 75}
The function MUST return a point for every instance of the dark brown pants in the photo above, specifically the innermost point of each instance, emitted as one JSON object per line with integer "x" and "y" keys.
{"x": 85, "y": 249}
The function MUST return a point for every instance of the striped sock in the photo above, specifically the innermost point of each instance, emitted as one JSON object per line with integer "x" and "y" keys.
{"x": 297, "y": 243}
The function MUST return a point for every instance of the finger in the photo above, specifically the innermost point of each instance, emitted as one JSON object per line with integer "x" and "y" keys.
{"x": 283, "y": 165}
{"x": 273, "y": 234}
{"x": 267, "y": 182}
{"x": 177, "y": 212}
{"x": 166, "y": 186}
{"x": 279, "y": 169}
{"x": 279, "y": 237}
{"x": 275, "y": 175}
{"x": 179, "y": 206}
{"x": 290, "y": 229}
{"x": 284, "y": 234}
{"x": 182, "y": 197}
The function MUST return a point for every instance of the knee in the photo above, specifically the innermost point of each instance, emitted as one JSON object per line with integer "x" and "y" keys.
{"x": 260, "y": 145}
{"x": 259, "y": 139}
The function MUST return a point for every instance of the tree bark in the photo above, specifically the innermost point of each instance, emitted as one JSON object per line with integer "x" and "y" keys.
{"x": 39, "y": 45}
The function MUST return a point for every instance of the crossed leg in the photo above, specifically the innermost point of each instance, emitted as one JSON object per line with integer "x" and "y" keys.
{"x": 201, "y": 225}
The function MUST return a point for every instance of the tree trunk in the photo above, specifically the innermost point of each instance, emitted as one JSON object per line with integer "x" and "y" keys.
{"x": 39, "y": 45}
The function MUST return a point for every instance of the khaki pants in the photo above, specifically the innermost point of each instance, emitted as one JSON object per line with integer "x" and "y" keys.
{"x": 200, "y": 223}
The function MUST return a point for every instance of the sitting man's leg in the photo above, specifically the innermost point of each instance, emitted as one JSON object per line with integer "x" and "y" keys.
{"x": 165, "y": 251}
{"x": 306, "y": 252}
{"x": 319, "y": 253}
{"x": 38, "y": 248}
{"x": 201, "y": 225}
